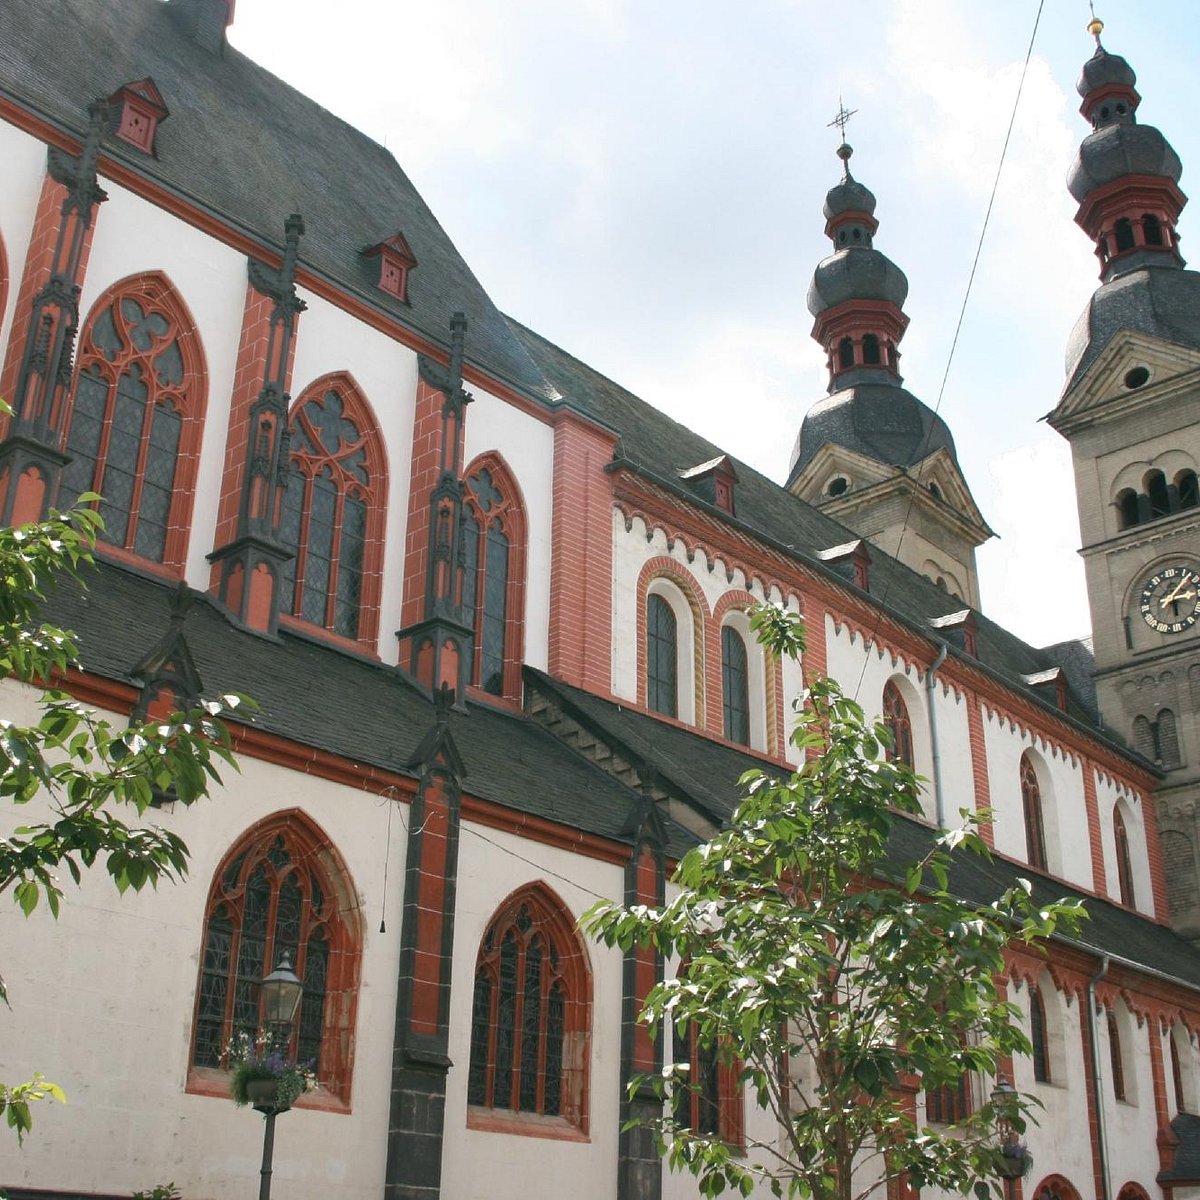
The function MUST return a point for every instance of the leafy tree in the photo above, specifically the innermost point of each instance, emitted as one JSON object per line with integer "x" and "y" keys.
{"x": 84, "y": 767}
{"x": 831, "y": 978}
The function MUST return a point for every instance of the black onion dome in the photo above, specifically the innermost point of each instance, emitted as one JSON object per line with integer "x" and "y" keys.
{"x": 1162, "y": 304}
{"x": 857, "y": 273}
{"x": 848, "y": 196}
{"x": 1117, "y": 150}
{"x": 883, "y": 421}
{"x": 1104, "y": 70}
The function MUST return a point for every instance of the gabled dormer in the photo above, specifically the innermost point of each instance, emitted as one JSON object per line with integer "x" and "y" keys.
{"x": 713, "y": 481}
{"x": 396, "y": 260}
{"x": 138, "y": 108}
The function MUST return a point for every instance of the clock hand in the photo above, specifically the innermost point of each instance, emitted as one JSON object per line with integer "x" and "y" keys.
{"x": 1178, "y": 593}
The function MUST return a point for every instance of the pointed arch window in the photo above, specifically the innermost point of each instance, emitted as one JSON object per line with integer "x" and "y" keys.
{"x": 1124, "y": 862}
{"x": 493, "y": 575}
{"x": 333, "y": 511}
{"x": 1116, "y": 1057}
{"x": 1176, "y": 1073}
{"x": 735, "y": 686}
{"x": 896, "y": 718}
{"x": 1037, "y": 1036}
{"x": 132, "y": 434}
{"x": 531, "y": 1013}
{"x": 662, "y": 692}
{"x": 280, "y": 890}
{"x": 1031, "y": 802}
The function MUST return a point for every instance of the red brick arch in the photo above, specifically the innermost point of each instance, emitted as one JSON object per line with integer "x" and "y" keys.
{"x": 664, "y": 567}
{"x": 1055, "y": 1187}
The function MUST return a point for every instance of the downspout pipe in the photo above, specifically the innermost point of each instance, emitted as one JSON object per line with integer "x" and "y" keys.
{"x": 1102, "y": 1141}
{"x": 930, "y": 688}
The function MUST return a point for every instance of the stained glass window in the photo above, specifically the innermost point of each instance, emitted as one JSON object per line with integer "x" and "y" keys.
{"x": 895, "y": 717}
{"x": 272, "y": 899}
{"x": 492, "y": 529}
{"x": 134, "y": 397}
{"x": 1031, "y": 800}
{"x": 529, "y": 1008}
{"x": 662, "y": 694}
{"x": 735, "y": 686}
{"x": 333, "y": 484}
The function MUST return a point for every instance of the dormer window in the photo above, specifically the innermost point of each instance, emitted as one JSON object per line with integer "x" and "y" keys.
{"x": 713, "y": 481}
{"x": 396, "y": 260}
{"x": 139, "y": 108}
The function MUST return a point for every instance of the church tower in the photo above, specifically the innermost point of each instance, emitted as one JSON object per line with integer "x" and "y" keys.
{"x": 1129, "y": 410}
{"x": 870, "y": 453}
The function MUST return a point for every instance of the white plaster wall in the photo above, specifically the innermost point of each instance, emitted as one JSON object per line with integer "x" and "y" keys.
{"x": 863, "y": 674}
{"x": 482, "y": 1165}
{"x": 1108, "y": 792}
{"x": 954, "y": 745}
{"x": 527, "y": 446}
{"x": 329, "y": 340}
{"x": 103, "y": 1003}
{"x": 1130, "y": 1125}
{"x": 133, "y": 236}
{"x": 24, "y": 160}
{"x": 1064, "y": 811}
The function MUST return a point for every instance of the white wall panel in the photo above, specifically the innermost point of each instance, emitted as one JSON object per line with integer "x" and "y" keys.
{"x": 24, "y": 160}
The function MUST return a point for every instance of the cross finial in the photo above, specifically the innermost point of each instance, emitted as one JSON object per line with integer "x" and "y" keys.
{"x": 842, "y": 119}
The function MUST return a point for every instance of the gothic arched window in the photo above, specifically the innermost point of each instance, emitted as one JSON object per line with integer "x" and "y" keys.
{"x": 1176, "y": 1074}
{"x": 1031, "y": 803}
{"x": 735, "y": 686}
{"x": 1124, "y": 862}
{"x": 1116, "y": 1056}
{"x": 333, "y": 511}
{"x": 896, "y": 718}
{"x": 662, "y": 692}
{"x": 282, "y": 890}
{"x": 531, "y": 1012}
{"x": 133, "y": 432}
{"x": 1038, "y": 1036}
{"x": 493, "y": 577}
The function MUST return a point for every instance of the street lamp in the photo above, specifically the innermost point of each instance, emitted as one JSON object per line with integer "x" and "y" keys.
{"x": 280, "y": 993}
{"x": 1012, "y": 1156}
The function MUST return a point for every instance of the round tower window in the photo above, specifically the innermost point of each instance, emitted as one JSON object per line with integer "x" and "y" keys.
{"x": 1136, "y": 378}
{"x": 838, "y": 486}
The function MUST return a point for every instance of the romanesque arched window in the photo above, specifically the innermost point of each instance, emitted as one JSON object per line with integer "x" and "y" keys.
{"x": 281, "y": 891}
{"x": 845, "y": 353}
{"x": 896, "y": 718}
{"x": 1127, "y": 508}
{"x": 1188, "y": 488}
{"x": 1124, "y": 234}
{"x": 871, "y": 355}
{"x": 1124, "y": 862}
{"x": 735, "y": 686}
{"x": 137, "y": 410}
{"x": 531, "y": 1012}
{"x": 1038, "y": 1036}
{"x": 1156, "y": 490}
{"x": 662, "y": 689}
{"x": 1031, "y": 803}
{"x": 494, "y": 574}
{"x": 334, "y": 510}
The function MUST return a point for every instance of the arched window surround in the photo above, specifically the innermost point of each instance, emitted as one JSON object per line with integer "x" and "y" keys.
{"x": 1126, "y": 890}
{"x": 1037, "y": 813}
{"x": 1120, "y": 1034}
{"x": 340, "y": 921}
{"x": 1054, "y": 1058}
{"x": 1181, "y": 1065}
{"x": 911, "y": 697}
{"x": 899, "y": 725}
{"x": 155, "y": 295}
{"x": 551, "y": 922}
{"x": 309, "y": 458}
{"x": 1055, "y": 1187}
{"x": 506, "y": 514}
{"x": 664, "y": 577}
{"x": 732, "y": 611}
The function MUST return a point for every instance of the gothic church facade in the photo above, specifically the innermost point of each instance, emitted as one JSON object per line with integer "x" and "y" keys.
{"x": 493, "y": 608}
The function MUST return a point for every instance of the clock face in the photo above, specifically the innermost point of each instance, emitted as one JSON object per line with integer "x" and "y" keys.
{"x": 1171, "y": 599}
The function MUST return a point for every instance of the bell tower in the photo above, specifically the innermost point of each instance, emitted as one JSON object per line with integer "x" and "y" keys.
{"x": 1129, "y": 410}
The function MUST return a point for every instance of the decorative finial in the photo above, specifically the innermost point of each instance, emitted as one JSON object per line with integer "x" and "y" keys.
{"x": 841, "y": 120}
{"x": 1095, "y": 26}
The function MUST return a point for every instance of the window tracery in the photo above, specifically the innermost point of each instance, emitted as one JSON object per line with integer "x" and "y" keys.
{"x": 899, "y": 725}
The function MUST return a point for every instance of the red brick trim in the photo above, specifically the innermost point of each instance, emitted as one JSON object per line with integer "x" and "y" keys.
{"x": 424, "y": 470}
{"x": 979, "y": 769}
{"x": 155, "y": 292}
{"x": 1059, "y": 1186}
{"x": 550, "y": 922}
{"x": 581, "y": 562}
{"x": 310, "y": 846}
{"x": 1095, "y": 830}
{"x": 509, "y": 514}
{"x": 3, "y": 284}
{"x": 662, "y": 567}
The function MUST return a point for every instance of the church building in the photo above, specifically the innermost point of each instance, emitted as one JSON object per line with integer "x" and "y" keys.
{"x": 493, "y": 609}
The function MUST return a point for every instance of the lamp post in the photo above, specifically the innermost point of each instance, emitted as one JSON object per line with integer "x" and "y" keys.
{"x": 280, "y": 993}
{"x": 1012, "y": 1155}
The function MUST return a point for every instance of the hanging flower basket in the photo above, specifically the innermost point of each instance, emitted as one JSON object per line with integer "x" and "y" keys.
{"x": 1013, "y": 1161}
{"x": 264, "y": 1077}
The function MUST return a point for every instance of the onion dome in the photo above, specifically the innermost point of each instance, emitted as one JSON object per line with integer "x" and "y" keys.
{"x": 848, "y": 196}
{"x": 856, "y": 274}
{"x": 1125, "y": 176}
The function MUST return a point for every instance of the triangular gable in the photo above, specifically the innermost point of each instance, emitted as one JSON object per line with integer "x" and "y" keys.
{"x": 1104, "y": 381}
{"x": 941, "y": 469}
{"x": 169, "y": 663}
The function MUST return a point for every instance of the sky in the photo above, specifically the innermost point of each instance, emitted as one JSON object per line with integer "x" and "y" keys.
{"x": 641, "y": 181}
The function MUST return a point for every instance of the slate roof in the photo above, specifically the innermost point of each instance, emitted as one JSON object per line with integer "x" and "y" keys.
{"x": 243, "y": 144}
{"x": 659, "y": 447}
{"x": 344, "y": 704}
{"x": 707, "y": 771}
{"x": 1186, "y": 1167}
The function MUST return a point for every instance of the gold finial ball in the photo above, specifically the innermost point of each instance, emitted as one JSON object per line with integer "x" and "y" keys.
{"x": 844, "y": 151}
{"x": 1095, "y": 27}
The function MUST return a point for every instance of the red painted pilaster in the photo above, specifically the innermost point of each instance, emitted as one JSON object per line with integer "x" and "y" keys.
{"x": 1095, "y": 831}
{"x": 426, "y": 463}
{"x": 979, "y": 766}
